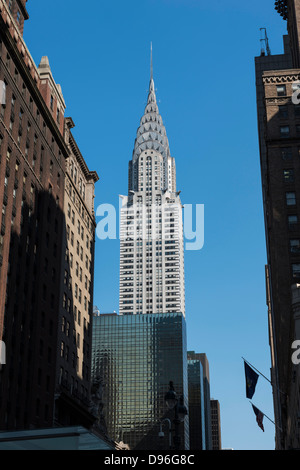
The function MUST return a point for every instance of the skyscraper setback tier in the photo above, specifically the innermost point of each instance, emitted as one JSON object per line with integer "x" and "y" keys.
{"x": 152, "y": 255}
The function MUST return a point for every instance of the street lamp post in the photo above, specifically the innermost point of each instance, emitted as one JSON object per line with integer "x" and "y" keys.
{"x": 162, "y": 434}
{"x": 180, "y": 412}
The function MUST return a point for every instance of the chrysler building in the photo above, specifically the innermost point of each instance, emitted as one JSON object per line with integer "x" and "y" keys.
{"x": 151, "y": 228}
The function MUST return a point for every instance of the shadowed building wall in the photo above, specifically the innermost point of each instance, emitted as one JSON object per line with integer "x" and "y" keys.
{"x": 35, "y": 151}
{"x": 277, "y": 79}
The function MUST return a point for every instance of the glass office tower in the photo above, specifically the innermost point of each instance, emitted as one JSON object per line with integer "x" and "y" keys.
{"x": 134, "y": 358}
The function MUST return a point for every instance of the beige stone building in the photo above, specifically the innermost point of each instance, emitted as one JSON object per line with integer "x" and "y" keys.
{"x": 74, "y": 354}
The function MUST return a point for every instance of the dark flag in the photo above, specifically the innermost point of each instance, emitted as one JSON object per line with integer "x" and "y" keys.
{"x": 259, "y": 417}
{"x": 251, "y": 381}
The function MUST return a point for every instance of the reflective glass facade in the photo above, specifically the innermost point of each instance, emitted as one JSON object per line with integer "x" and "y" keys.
{"x": 137, "y": 356}
{"x": 196, "y": 405}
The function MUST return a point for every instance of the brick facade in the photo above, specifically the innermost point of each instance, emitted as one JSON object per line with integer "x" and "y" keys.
{"x": 34, "y": 154}
{"x": 279, "y": 137}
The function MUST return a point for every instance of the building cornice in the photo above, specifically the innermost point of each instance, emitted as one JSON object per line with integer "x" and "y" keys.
{"x": 30, "y": 75}
{"x": 23, "y": 9}
{"x": 18, "y": 38}
{"x": 282, "y": 76}
{"x": 90, "y": 175}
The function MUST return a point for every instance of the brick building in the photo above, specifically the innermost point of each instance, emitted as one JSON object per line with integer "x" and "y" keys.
{"x": 277, "y": 80}
{"x": 36, "y": 148}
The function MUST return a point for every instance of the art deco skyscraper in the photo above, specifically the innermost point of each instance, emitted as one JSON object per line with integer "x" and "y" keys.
{"x": 152, "y": 257}
{"x": 144, "y": 348}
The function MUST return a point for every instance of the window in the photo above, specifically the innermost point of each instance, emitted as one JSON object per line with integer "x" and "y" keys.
{"x": 297, "y": 110}
{"x": 292, "y": 220}
{"x": 64, "y": 300}
{"x": 284, "y": 131}
{"x": 286, "y": 153}
{"x": 63, "y": 324}
{"x": 283, "y": 112}
{"x": 295, "y": 246}
{"x": 296, "y": 270}
{"x": 18, "y": 16}
{"x": 291, "y": 199}
{"x": 281, "y": 90}
{"x": 288, "y": 176}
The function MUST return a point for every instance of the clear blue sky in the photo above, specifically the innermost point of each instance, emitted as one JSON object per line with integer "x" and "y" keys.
{"x": 204, "y": 74}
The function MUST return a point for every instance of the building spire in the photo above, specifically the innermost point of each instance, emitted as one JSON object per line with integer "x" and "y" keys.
{"x": 151, "y": 88}
{"x": 151, "y": 64}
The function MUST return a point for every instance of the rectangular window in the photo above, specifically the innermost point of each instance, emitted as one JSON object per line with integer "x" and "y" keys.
{"x": 62, "y": 349}
{"x": 291, "y": 199}
{"x": 296, "y": 271}
{"x": 288, "y": 176}
{"x": 283, "y": 112}
{"x": 284, "y": 131}
{"x": 281, "y": 90}
{"x": 292, "y": 220}
{"x": 297, "y": 110}
{"x": 295, "y": 246}
{"x": 286, "y": 153}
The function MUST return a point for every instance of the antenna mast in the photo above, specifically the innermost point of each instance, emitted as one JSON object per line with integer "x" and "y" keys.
{"x": 151, "y": 64}
{"x": 265, "y": 48}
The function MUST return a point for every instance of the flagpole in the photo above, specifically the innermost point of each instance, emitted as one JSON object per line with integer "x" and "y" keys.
{"x": 263, "y": 376}
{"x": 267, "y": 417}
